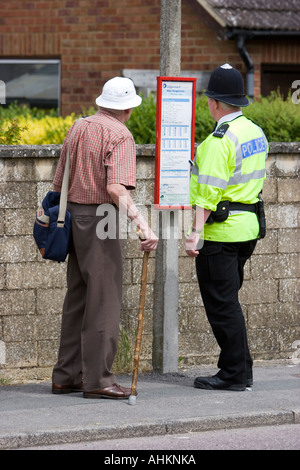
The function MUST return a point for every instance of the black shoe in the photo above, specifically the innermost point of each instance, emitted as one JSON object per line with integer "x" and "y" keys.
{"x": 215, "y": 383}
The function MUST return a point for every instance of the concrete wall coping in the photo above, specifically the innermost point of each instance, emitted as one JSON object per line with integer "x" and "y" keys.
{"x": 142, "y": 150}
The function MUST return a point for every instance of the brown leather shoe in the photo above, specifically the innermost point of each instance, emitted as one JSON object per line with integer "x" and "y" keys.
{"x": 113, "y": 391}
{"x": 59, "y": 389}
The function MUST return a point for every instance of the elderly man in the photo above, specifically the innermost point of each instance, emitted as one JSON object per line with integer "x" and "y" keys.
{"x": 102, "y": 171}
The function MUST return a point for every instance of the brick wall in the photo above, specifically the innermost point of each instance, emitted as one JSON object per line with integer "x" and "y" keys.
{"x": 96, "y": 39}
{"x": 32, "y": 289}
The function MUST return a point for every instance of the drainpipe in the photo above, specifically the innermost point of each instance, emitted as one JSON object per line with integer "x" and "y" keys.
{"x": 240, "y": 42}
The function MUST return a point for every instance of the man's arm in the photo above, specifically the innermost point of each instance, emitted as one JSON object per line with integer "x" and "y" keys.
{"x": 121, "y": 197}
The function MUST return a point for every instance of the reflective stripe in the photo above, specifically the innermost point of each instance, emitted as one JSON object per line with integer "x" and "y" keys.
{"x": 207, "y": 179}
{"x": 212, "y": 181}
{"x": 240, "y": 179}
{"x": 237, "y": 177}
{"x": 239, "y": 212}
{"x": 238, "y": 152}
{"x": 195, "y": 169}
{"x": 234, "y": 212}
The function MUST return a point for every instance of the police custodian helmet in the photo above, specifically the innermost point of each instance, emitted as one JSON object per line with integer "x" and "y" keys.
{"x": 226, "y": 84}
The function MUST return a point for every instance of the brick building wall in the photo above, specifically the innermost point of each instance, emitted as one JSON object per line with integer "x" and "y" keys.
{"x": 32, "y": 289}
{"x": 96, "y": 39}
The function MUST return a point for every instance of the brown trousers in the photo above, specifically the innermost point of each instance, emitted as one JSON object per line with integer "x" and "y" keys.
{"x": 91, "y": 310}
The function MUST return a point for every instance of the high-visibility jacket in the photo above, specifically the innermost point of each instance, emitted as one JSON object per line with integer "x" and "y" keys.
{"x": 230, "y": 164}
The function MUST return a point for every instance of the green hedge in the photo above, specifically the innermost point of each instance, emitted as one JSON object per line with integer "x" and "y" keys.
{"x": 278, "y": 117}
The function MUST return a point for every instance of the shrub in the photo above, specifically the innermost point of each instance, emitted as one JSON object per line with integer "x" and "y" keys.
{"x": 143, "y": 121}
{"x": 36, "y": 127}
{"x": 47, "y": 130}
{"x": 11, "y": 135}
{"x": 204, "y": 124}
{"x": 279, "y": 118}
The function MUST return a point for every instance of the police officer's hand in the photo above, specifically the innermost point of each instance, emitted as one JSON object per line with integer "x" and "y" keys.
{"x": 191, "y": 245}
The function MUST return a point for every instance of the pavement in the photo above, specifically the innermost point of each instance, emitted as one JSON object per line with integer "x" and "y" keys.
{"x": 30, "y": 415}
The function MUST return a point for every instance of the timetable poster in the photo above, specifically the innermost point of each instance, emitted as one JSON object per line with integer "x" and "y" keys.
{"x": 175, "y": 124}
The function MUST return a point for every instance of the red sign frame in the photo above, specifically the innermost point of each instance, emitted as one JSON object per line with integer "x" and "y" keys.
{"x": 158, "y": 136}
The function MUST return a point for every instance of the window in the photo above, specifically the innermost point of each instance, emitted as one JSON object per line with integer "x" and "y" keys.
{"x": 31, "y": 82}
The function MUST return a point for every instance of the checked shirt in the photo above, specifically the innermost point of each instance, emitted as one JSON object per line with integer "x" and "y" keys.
{"x": 102, "y": 152}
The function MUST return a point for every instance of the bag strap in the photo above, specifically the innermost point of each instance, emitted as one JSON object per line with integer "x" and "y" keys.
{"x": 65, "y": 185}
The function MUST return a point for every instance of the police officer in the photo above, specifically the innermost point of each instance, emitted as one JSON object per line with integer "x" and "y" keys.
{"x": 226, "y": 179}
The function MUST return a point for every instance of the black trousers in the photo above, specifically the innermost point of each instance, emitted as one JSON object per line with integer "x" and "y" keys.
{"x": 220, "y": 273}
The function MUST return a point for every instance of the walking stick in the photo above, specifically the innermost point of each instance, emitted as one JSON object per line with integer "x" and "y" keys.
{"x": 138, "y": 341}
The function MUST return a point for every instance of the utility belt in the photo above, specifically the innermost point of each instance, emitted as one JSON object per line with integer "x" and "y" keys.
{"x": 223, "y": 208}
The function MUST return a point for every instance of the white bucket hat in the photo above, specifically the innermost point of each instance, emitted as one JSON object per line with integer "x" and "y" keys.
{"x": 119, "y": 93}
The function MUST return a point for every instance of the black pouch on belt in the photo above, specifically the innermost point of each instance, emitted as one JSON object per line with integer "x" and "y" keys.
{"x": 261, "y": 217}
{"x": 224, "y": 207}
{"x": 220, "y": 214}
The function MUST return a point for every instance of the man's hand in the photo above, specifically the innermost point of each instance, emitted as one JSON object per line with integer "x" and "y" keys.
{"x": 191, "y": 245}
{"x": 201, "y": 215}
{"x": 150, "y": 241}
{"x": 122, "y": 199}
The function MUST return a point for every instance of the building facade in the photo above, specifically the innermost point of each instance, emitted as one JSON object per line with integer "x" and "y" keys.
{"x": 59, "y": 53}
